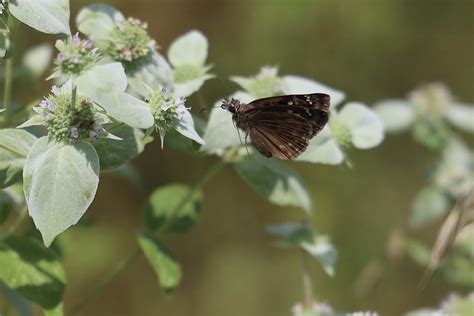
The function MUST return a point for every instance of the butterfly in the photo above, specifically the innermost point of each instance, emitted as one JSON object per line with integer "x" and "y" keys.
{"x": 281, "y": 126}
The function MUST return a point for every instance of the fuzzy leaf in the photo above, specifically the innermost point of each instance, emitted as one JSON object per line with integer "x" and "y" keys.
{"x": 32, "y": 270}
{"x": 47, "y": 16}
{"x": 274, "y": 180}
{"x": 97, "y": 20}
{"x": 189, "y": 49}
{"x": 14, "y": 147}
{"x": 37, "y": 59}
{"x": 397, "y": 115}
{"x": 166, "y": 267}
{"x": 60, "y": 181}
{"x": 323, "y": 149}
{"x": 187, "y": 88}
{"x": 366, "y": 127}
{"x": 153, "y": 71}
{"x": 173, "y": 208}
{"x": 462, "y": 116}
{"x": 114, "y": 153}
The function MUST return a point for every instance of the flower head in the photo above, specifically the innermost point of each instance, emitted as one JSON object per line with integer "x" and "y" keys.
{"x": 170, "y": 113}
{"x": 65, "y": 121}
{"x": 129, "y": 41}
{"x": 75, "y": 56}
{"x": 432, "y": 112}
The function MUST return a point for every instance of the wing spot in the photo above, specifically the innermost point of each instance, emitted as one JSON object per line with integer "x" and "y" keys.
{"x": 290, "y": 103}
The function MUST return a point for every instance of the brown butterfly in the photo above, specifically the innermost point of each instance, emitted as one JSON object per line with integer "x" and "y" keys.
{"x": 281, "y": 126}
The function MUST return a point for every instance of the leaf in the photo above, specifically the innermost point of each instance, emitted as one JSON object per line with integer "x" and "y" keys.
{"x": 14, "y": 147}
{"x": 173, "y": 208}
{"x": 106, "y": 84}
{"x": 166, "y": 267}
{"x": 301, "y": 85}
{"x": 187, "y": 88}
{"x": 60, "y": 181}
{"x": 114, "y": 153}
{"x": 32, "y": 270}
{"x": 47, "y": 16}
{"x": 153, "y": 71}
{"x": 461, "y": 116}
{"x": 37, "y": 59}
{"x": 366, "y": 127}
{"x": 305, "y": 237}
{"x": 97, "y": 20}
{"x": 397, "y": 115}
{"x": 189, "y": 49}
{"x": 323, "y": 149}
{"x": 430, "y": 204}
{"x": 274, "y": 180}
{"x": 321, "y": 248}
{"x": 186, "y": 128}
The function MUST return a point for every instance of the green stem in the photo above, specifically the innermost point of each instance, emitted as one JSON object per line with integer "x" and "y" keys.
{"x": 8, "y": 84}
{"x": 307, "y": 283}
{"x": 105, "y": 282}
{"x": 73, "y": 95}
{"x": 129, "y": 259}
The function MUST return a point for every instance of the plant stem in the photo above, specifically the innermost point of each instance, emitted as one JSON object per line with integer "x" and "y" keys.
{"x": 307, "y": 283}
{"x": 102, "y": 284}
{"x": 73, "y": 96}
{"x": 7, "y": 87}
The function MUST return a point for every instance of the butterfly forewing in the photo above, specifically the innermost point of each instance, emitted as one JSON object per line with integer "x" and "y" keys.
{"x": 282, "y": 126}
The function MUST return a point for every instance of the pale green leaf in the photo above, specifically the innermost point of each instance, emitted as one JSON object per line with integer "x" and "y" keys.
{"x": 114, "y": 153}
{"x": 186, "y": 128}
{"x": 173, "y": 208}
{"x": 14, "y": 147}
{"x": 164, "y": 264}
{"x": 106, "y": 84}
{"x": 430, "y": 204}
{"x": 32, "y": 270}
{"x": 397, "y": 115}
{"x": 187, "y": 88}
{"x": 37, "y": 59}
{"x": 97, "y": 20}
{"x": 301, "y": 85}
{"x": 189, "y": 49}
{"x": 321, "y": 248}
{"x": 34, "y": 120}
{"x": 274, "y": 180}
{"x": 47, "y": 16}
{"x": 323, "y": 149}
{"x": 366, "y": 127}
{"x": 60, "y": 181}
{"x": 152, "y": 71}
{"x": 461, "y": 116}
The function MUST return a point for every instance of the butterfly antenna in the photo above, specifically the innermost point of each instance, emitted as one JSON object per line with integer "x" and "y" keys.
{"x": 225, "y": 85}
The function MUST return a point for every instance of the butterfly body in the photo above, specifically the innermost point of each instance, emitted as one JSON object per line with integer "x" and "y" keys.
{"x": 281, "y": 126}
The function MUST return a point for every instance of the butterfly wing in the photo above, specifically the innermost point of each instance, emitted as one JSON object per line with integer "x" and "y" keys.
{"x": 283, "y": 126}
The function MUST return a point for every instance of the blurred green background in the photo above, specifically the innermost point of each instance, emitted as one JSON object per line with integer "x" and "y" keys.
{"x": 372, "y": 50}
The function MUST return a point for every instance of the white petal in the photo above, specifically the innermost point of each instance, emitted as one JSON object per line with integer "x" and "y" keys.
{"x": 301, "y": 85}
{"x": 397, "y": 114}
{"x": 365, "y": 125}
{"x": 323, "y": 149}
{"x": 186, "y": 128}
{"x": 187, "y": 88}
{"x": 461, "y": 116}
{"x": 190, "y": 48}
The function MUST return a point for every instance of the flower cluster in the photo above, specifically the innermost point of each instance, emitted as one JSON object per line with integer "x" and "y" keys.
{"x": 431, "y": 110}
{"x": 75, "y": 56}
{"x": 129, "y": 41}
{"x": 170, "y": 113}
{"x": 65, "y": 121}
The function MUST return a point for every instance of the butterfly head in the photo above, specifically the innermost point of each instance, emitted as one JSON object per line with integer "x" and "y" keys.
{"x": 231, "y": 105}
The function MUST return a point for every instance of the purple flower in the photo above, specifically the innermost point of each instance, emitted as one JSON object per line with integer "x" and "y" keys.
{"x": 74, "y": 132}
{"x": 76, "y": 40}
{"x": 60, "y": 58}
